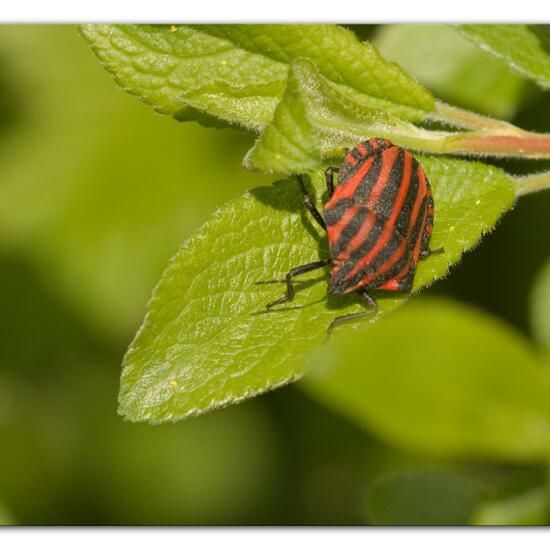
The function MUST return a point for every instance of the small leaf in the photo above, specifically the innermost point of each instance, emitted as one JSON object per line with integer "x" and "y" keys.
{"x": 290, "y": 144}
{"x": 238, "y": 72}
{"x": 523, "y": 48}
{"x": 207, "y": 340}
{"x": 421, "y": 498}
{"x": 452, "y": 67}
{"x": 540, "y": 307}
{"x": 528, "y": 508}
{"x": 440, "y": 378}
{"x": 314, "y": 120}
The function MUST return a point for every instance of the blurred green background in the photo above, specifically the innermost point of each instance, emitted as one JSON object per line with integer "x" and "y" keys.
{"x": 96, "y": 193}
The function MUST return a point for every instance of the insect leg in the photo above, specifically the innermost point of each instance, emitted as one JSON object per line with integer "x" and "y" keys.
{"x": 371, "y": 304}
{"x": 329, "y": 178}
{"x": 289, "y": 296}
{"x": 309, "y": 204}
{"x": 425, "y": 253}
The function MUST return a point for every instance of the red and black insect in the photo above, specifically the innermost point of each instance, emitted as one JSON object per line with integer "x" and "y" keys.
{"x": 378, "y": 220}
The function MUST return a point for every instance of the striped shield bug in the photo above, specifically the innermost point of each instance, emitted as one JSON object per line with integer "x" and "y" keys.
{"x": 378, "y": 221}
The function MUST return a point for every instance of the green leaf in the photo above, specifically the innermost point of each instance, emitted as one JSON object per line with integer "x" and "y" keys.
{"x": 524, "y": 48}
{"x": 238, "y": 72}
{"x": 421, "y": 498}
{"x": 540, "y": 307}
{"x": 452, "y": 67}
{"x": 207, "y": 340}
{"x": 440, "y": 378}
{"x": 528, "y": 508}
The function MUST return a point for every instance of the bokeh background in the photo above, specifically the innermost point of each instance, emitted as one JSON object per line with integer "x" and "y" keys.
{"x": 96, "y": 193}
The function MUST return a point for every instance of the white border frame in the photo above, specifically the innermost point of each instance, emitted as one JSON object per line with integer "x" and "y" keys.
{"x": 279, "y": 11}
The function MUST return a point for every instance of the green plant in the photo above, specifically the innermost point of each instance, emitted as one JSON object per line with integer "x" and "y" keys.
{"x": 307, "y": 93}
{"x": 433, "y": 413}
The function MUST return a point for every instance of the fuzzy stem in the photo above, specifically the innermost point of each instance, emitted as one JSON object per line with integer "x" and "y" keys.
{"x": 490, "y": 138}
{"x": 532, "y": 183}
{"x": 527, "y": 145}
{"x": 461, "y": 118}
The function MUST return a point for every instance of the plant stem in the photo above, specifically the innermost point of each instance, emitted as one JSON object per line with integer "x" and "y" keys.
{"x": 532, "y": 183}
{"x": 488, "y": 137}
{"x": 461, "y": 118}
{"x": 480, "y": 144}
{"x": 527, "y": 145}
